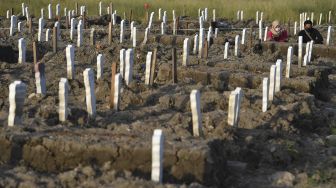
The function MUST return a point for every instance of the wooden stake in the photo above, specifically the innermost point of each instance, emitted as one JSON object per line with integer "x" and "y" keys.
{"x": 130, "y": 18}
{"x": 288, "y": 30}
{"x": 54, "y": 39}
{"x": 84, "y": 19}
{"x": 76, "y": 9}
{"x": 152, "y": 76}
{"x": 114, "y": 71}
{"x": 34, "y": 52}
{"x": 174, "y": 67}
{"x": 30, "y": 23}
{"x": 110, "y": 33}
{"x": 251, "y": 38}
{"x": 66, "y": 22}
{"x": 205, "y": 49}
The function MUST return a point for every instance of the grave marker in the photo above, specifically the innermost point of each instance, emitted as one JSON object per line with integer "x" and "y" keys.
{"x": 90, "y": 92}
{"x": 226, "y": 49}
{"x": 236, "y": 53}
{"x": 63, "y": 92}
{"x": 185, "y": 60}
{"x": 148, "y": 68}
{"x": 122, "y": 59}
{"x": 157, "y": 156}
{"x": 129, "y": 66}
{"x": 117, "y": 87}
{"x": 278, "y": 75}
{"x": 272, "y": 81}
{"x": 13, "y": 25}
{"x": 40, "y": 79}
{"x": 195, "y": 105}
{"x": 300, "y": 52}
{"x": 22, "y": 50}
{"x": 70, "y": 58}
{"x": 17, "y": 92}
{"x": 100, "y": 66}
{"x": 265, "y": 95}
{"x": 289, "y": 61}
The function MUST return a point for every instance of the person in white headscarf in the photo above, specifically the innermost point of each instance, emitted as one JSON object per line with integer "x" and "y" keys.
{"x": 277, "y": 33}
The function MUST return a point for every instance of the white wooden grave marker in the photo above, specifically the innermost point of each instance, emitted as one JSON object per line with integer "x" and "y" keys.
{"x": 17, "y": 92}
{"x": 22, "y": 50}
{"x": 70, "y": 58}
{"x": 195, "y": 105}
{"x": 90, "y": 92}
{"x": 100, "y": 66}
{"x": 265, "y": 95}
{"x": 63, "y": 92}
{"x": 157, "y": 155}
{"x": 148, "y": 67}
{"x": 129, "y": 66}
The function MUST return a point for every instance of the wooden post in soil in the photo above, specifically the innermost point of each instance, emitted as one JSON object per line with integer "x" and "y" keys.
{"x": 66, "y": 22}
{"x": 30, "y": 23}
{"x": 110, "y": 33}
{"x": 152, "y": 77}
{"x": 174, "y": 67}
{"x": 130, "y": 17}
{"x": 251, "y": 38}
{"x": 54, "y": 39}
{"x": 288, "y": 29}
{"x": 76, "y": 8}
{"x": 34, "y": 52}
{"x": 177, "y": 25}
{"x": 205, "y": 49}
{"x": 114, "y": 71}
{"x": 84, "y": 20}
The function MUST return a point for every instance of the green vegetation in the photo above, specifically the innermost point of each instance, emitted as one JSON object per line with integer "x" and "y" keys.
{"x": 273, "y": 9}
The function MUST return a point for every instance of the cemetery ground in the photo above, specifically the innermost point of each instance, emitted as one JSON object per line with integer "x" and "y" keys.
{"x": 291, "y": 144}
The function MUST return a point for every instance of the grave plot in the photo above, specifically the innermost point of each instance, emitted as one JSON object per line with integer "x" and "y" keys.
{"x": 176, "y": 101}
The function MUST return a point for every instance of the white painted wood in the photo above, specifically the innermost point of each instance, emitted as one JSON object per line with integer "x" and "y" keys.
{"x": 22, "y": 50}
{"x": 122, "y": 30}
{"x": 328, "y": 36}
{"x": 201, "y": 43}
{"x": 300, "y": 50}
{"x": 129, "y": 66}
{"x": 278, "y": 75}
{"x": 195, "y": 105}
{"x": 117, "y": 89}
{"x": 243, "y": 36}
{"x": 70, "y": 58}
{"x": 148, "y": 67}
{"x": 236, "y": 52}
{"x": 100, "y": 66}
{"x": 40, "y": 35}
{"x": 272, "y": 82}
{"x": 185, "y": 58}
{"x": 13, "y": 25}
{"x": 157, "y": 156}
{"x": 122, "y": 60}
{"x": 289, "y": 61}
{"x": 40, "y": 80}
{"x": 265, "y": 95}
{"x": 90, "y": 92}
{"x": 226, "y": 50}
{"x": 79, "y": 34}
{"x": 17, "y": 93}
{"x": 134, "y": 38}
{"x": 63, "y": 93}
{"x": 50, "y": 15}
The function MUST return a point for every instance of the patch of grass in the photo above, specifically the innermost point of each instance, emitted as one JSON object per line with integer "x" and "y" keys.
{"x": 273, "y": 9}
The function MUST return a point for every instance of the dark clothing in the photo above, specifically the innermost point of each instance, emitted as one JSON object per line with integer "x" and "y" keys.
{"x": 314, "y": 34}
